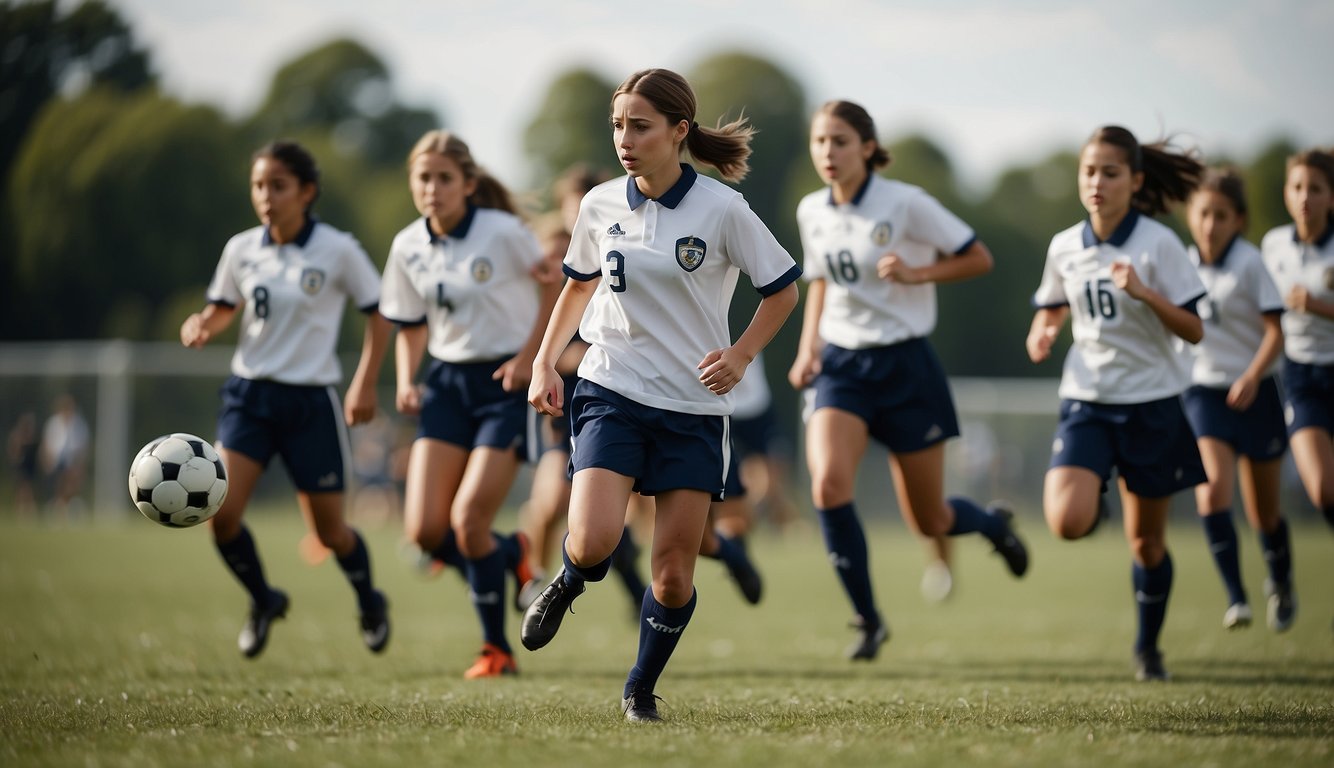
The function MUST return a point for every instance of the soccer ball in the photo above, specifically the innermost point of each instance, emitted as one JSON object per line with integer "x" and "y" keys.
{"x": 178, "y": 480}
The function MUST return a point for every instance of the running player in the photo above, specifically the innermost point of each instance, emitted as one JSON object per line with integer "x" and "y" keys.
{"x": 460, "y": 283}
{"x": 873, "y": 256}
{"x": 1300, "y": 257}
{"x": 1234, "y": 405}
{"x": 292, "y": 275}
{"x": 1130, "y": 289}
{"x": 654, "y": 259}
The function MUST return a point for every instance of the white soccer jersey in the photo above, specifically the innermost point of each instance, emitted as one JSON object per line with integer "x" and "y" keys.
{"x": 1240, "y": 293}
{"x": 1122, "y": 353}
{"x": 1307, "y": 338}
{"x": 842, "y": 244}
{"x": 667, "y": 269}
{"x": 294, "y": 294}
{"x": 474, "y": 287}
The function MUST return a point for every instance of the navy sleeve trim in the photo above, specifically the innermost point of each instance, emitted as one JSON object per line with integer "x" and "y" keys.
{"x": 369, "y": 308}
{"x": 787, "y": 279}
{"x": 407, "y": 323}
{"x": 222, "y": 303}
{"x": 1276, "y": 312}
{"x": 1190, "y": 305}
{"x": 960, "y": 250}
{"x": 1057, "y": 305}
{"x": 580, "y": 276}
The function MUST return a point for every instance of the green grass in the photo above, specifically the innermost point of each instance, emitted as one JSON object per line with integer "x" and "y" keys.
{"x": 117, "y": 648}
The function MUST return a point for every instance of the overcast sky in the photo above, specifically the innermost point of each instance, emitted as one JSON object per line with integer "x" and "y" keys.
{"x": 995, "y": 82}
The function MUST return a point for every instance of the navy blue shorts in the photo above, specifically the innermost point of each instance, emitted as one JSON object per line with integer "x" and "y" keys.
{"x": 462, "y": 405}
{"x": 900, "y": 391}
{"x": 663, "y": 450}
{"x": 1310, "y": 396}
{"x": 757, "y": 435}
{"x": 1150, "y": 444}
{"x": 733, "y": 488}
{"x": 555, "y": 431}
{"x": 303, "y": 424}
{"x": 1258, "y": 432}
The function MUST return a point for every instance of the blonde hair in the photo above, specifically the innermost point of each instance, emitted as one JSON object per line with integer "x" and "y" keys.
{"x": 725, "y": 147}
{"x": 489, "y": 193}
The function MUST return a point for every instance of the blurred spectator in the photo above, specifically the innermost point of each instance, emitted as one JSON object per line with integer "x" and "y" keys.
{"x": 64, "y": 453}
{"x": 22, "y": 452}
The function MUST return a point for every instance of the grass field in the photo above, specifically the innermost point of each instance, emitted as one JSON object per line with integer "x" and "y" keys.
{"x": 118, "y": 649}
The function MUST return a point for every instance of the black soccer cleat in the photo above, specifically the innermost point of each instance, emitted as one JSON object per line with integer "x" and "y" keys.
{"x": 375, "y": 624}
{"x": 641, "y": 707}
{"x": 1281, "y": 605}
{"x": 744, "y": 574}
{"x": 255, "y": 632}
{"x": 870, "y": 638}
{"x": 1149, "y": 667}
{"x": 544, "y": 616}
{"x": 1010, "y": 547}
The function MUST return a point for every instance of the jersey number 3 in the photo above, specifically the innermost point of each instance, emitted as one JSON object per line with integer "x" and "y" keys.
{"x": 616, "y": 275}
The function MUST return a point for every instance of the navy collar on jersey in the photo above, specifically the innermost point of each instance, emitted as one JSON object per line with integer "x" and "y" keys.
{"x": 1324, "y": 239}
{"x": 671, "y": 198}
{"x": 1222, "y": 257}
{"x": 1119, "y": 235}
{"x": 302, "y": 237}
{"x": 861, "y": 191}
{"x": 459, "y": 231}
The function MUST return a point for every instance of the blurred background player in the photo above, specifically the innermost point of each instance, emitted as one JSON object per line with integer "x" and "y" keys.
{"x": 1234, "y": 405}
{"x": 1300, "y": 257}
{"x": 1130, "y": 290}
{"x": 651, "y": 256}
{"x": 292, "y": 276}
{"x": 64, "y": 455}
{"x": 22, "y": 448}
{"x": 872, "y": 255}
{"x": 460, "y": 283}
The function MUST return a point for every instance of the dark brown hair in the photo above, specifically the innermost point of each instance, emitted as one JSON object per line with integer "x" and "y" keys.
{"x": 725, "y": 147}
{"x": 1226, "y": 182}
{"x": 1169, "y": 174}
{"x": 857, "y": 118}
{"x": 1318, "y": 159}
{"x": 296, "y": 159}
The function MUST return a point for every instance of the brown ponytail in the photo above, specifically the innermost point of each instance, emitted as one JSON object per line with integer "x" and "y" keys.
{"x": 1169, "y": 174}
{"x": 725, "y": 147}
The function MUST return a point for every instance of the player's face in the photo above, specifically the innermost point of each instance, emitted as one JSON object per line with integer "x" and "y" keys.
{"x": 1213, "y": 221}
{"x": 279, "y": 197}
{"x": 837, "y": 151}
{"x": 1307, "y": 195}
{"x": 646, "y": 142}
{"x": 439, "y": 189}
{"x": 1106, "y": 183}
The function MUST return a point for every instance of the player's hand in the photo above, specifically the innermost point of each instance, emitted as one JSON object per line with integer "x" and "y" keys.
{"x": 546, "y": 391}
{"x": 721, "y": 370}
{"x": 804, "y": 370}
{"x": 1127, "y": 279}
{"x": 1040, "y": 341}
{"x": 359, "y": 405}
{"x": 894, "y": 269}
{"x": 1242, "y": 393}
{"x": 514, "y": 374}
{"x": 1298, "y": 299}
{"x": 408, "y": 400}
{"x": 193, "y": 332}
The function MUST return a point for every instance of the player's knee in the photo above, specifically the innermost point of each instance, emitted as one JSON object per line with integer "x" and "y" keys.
{"x": 1065, "y": 525}
{"x": 828, "y": 491}
{"x": 673, "y": 587}
{"x": 1148, "y": 550}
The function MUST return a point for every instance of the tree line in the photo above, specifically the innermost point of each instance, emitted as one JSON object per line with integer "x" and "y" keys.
{"x": 118, "y": 197}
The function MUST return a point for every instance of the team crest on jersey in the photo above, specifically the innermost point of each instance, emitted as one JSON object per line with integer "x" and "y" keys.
{"x": 881, "y": 233}
{"x": 690, "y": 252}
{"x": 312, "y": 280}
{"x": 481, "y": 269}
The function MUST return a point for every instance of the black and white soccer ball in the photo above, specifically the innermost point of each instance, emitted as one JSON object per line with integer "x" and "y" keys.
{"x": 178, "y": 480}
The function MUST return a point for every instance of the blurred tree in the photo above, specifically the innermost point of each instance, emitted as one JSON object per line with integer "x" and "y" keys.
{"x": 918, "y": 160}
{"x": 570, "y": 127}
{"x": 1265, "y": 177}
{"x": 343, "y": 89}
{"x": 119, "y": 201}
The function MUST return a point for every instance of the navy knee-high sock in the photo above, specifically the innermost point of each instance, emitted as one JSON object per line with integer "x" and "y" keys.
{"x": 447, "y": 552}
{"x": 731, "y": 551}
{"x": 845, "y": 541}
{"x": 1222, "y": 537}
{"x": 1278, "y": 553}
{"x": 576, "y": 575}
{"x": 486, "y": 582}
{"x": 243, "y": 560}
{"x": 1152, "y": 587}
{"x": 1329, "y": 515}
{"x": 357, "y": 568}
{"x": 625, "y": 561}
{"x": 970, "y": 518}
{"x": 660, "y": 629}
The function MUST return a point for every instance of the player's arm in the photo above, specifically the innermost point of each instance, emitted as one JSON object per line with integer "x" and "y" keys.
{"x": 1179, "y": 321}
{"x": 807, "y": 364}
{"x": 517, "y": 371}
{"x": 546, "y": 391}
{"x": 409, "y": 347}
{"x": 721, "y": 369}
{"x": 200, "y": 327}
{"x": 1242, "y": 392}
{"x": 1047, "y": 322}
{"x": 359, "y": 405}
{"x": 973, "y": 261}
{"x": 1300, "y": 299}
